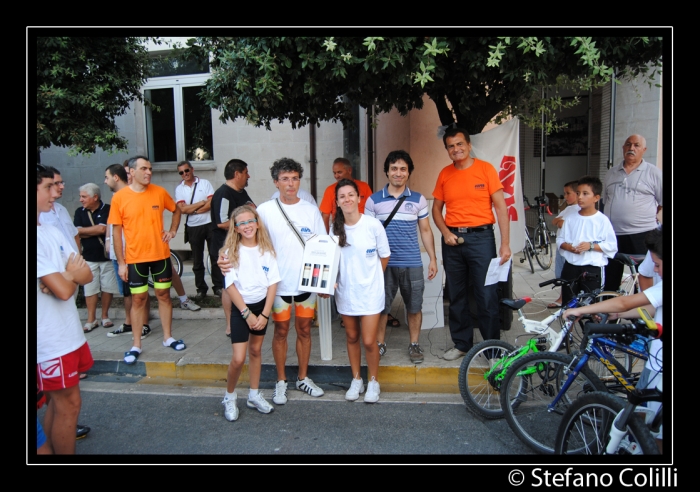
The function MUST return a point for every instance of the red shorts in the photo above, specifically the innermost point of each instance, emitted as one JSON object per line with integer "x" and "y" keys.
{"x": 64, "y": 372}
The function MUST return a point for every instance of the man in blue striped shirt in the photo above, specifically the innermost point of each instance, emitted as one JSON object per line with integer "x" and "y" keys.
{"x": 405, "y": 269}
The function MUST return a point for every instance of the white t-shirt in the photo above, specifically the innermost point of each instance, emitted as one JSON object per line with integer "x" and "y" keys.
{"x": 61, "y": 220}
{"x": 257, "y": 271}
{"x": 567, "y": 213}
{"x": 646, "y": 268}
{"x": 360, "y": 276}
{"x": 58, "y": 328}
{"x": 307, "y": 221}
{"x": 183, "y": 193}
{"x": 655, "y": 296}
{"x": 584, "y": 228}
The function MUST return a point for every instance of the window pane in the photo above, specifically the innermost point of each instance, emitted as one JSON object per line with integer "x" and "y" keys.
{"x": 168, "y": 64}
{"x": 198, "y": 138}
{"x": 160, "y": 125}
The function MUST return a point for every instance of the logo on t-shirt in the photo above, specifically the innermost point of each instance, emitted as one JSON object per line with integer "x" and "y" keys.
{"x": 306, "y": 230}
{"x": 408, "y": 207}
{"x": 265, "y": 269}
{"x": 155, "y": 207}
{"x": 479, "y": 187}
{"x": 371, "y": 252}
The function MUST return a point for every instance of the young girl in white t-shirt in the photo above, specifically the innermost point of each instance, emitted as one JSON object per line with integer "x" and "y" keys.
{"x": 364, "y": 255}
{"x": 251, "y": 284}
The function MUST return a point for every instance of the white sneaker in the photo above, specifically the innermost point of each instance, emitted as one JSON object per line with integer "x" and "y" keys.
{"x": 356, "y": 388}
{"x": 372, "y": 395}
{"x": 279, "y": 396}
{"x": 230, "y": 408}
{"x": 259, "y": 402}
{"x": 308, "y": 386}
{"x": 189, "y": 304}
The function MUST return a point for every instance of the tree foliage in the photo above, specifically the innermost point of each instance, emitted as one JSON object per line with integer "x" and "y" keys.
{"x": 83, "y": 84}
{"x": 471, "y": 79}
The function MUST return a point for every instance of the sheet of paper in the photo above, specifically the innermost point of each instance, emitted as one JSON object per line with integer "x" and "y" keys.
{"x": 497, "y": 273}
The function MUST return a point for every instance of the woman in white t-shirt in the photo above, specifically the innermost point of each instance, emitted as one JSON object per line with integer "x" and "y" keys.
{"x": 359, "y": 293}
{"x": 252, "y": 285}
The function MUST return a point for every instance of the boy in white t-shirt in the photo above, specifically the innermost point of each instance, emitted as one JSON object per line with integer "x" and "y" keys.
{"x": 62, "y": 350}
{"x": 571, "y": 208}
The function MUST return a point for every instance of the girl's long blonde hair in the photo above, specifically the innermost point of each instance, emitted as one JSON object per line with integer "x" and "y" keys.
{"x": 233, "y": 238}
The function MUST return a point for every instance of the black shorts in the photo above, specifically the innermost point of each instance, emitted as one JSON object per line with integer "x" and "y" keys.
{"x": 240, "y": 331}
{"x": 160, "y": 270}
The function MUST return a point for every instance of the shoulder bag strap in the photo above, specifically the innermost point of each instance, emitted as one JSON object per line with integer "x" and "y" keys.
{"x": 289, "y": 222}
{"x": 393, "y": 212}
{"x": 191, "y": 200}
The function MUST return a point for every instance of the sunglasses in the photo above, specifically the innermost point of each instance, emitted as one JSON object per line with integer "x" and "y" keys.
{"x": 184, "y": 171}
{"x": 251, "y": 221}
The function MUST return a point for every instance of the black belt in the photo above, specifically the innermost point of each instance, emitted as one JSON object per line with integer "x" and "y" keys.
{"x": 462, "y": 230}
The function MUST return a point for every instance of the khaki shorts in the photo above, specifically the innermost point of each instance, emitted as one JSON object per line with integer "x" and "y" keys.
{"x": 103, "y": 279}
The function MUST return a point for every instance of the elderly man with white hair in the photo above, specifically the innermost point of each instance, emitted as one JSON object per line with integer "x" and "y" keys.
{"x": 91, "y": 221}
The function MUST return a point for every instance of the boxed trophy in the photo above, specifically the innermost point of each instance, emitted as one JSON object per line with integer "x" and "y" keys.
{"x": 319, "y": 265}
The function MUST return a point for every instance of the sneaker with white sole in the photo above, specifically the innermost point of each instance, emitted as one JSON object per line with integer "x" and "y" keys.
{"x": 145, "y": 331}
{"x": 372, "y": 395}
{"x": 259, "y": 402}
{"x": 124, "y": 328}
{"x": 189, "y": 304}
{"x": 453, "y": 354}
{"x": 279, "y": 396}
{"x": 230, "y": 408}
{"x": 356, "y": 387}
{"x": 308, "y": 386}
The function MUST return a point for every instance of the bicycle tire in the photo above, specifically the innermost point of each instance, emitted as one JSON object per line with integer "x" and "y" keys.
{"x": 528, "y": 250}
{"x": 478, "y": 392}
{"x": 543, "y": 247}
{"x": 177, "y": 266}
{"x": 585, "y": 428}
{"x": 530, "y": 418}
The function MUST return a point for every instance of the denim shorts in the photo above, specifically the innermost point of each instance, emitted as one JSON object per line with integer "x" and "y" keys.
{"x": 411, "y": 283}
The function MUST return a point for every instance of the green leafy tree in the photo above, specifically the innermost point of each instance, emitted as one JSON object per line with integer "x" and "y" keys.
{"x": 83, "y": 84}
{"x": 471, "y": 80}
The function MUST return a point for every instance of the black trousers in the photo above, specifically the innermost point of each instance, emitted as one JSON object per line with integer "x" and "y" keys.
{"x": 198, "y": 236}
{"x": 631, "y": 244}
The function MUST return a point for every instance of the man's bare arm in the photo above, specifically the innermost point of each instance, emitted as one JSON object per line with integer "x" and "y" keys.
{"x": 499, "y": 203}
{"x": 426, "y": 235}
{"x": 199, "y": 207}
{"x": 447, "y": 236}
{"x": 96, "y": 230}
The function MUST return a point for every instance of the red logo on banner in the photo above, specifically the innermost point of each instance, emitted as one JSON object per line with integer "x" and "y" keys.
{"x": 507, "y": 177}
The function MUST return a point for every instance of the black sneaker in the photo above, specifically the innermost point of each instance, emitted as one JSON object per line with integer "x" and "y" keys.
{"x": 81, "y": 431}
{"x": 201, "y": 294}
{"x": 217, "y": 291}
{"x": 124, "y": 328}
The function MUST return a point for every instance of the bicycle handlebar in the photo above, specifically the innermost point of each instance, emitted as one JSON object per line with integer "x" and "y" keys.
{"x": 598, "y": 329}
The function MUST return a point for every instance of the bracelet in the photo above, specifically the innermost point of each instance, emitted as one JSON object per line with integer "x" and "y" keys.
{"x": 266, "y": 317}
{"x": 245, "y": 316}
{"x": 245, "y": 313}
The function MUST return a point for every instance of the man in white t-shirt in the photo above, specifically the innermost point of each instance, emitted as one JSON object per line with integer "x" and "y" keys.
{"x": 58, "y": 216}
{"x": 287, "y": 236}
{"x": 193, "y": 197}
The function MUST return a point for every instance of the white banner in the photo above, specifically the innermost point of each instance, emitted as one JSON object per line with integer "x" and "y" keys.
{"x": 501, "y": 147}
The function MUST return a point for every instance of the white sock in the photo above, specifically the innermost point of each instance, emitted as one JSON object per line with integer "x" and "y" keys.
{"x": 252, "y": 393}
{"x": 183, "y": 298}
{"x": 230, "y": 396}
{"x": 130, "y": 358}
{"x": 170, "y": 340}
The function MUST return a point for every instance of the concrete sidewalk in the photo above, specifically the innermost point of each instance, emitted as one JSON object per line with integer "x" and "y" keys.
{"x": 208, "y": 350}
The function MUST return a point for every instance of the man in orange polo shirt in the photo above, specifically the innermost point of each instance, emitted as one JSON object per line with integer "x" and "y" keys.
{"x": 138, "y": 210}
{"x": 468, "y": 189}
{"x": 342, "y": 169}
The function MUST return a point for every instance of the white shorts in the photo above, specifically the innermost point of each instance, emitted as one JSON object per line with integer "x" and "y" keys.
{"x": 103, "y": 279}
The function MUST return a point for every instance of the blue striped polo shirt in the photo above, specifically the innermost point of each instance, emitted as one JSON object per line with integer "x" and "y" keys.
{"x": 403, "y": 228}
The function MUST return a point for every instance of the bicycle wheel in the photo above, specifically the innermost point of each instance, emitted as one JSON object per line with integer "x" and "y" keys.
{"x": 530, "y": 385}
{"x": 528, "y": 250}
{"x": 177, "y": 265}
{"x": 477, "y": 372}
{"x": 585, "y": 428}
{"x": 543, "y": 247}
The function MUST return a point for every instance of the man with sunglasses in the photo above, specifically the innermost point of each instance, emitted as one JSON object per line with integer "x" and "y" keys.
{"x": 193, "y": 197}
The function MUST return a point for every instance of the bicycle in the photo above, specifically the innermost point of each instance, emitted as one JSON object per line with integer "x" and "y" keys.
{"x": 601, "y": 423}
{"x": 540, "y": 387}
{"x": 541, "y": 240}
{"x": 484, "y": 367}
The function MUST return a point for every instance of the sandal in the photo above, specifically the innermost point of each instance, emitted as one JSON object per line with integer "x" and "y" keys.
{"x": 382, "y": 349}
{"x": 107, "y": 323}
{"x": 128, "y": 355}
{"x": 83, "y": 375}
{"x": 553, "y": 305}
{"x": 88, "y": 327}
{"x": 175, "y": 344}
{"x": 391, "y": 321}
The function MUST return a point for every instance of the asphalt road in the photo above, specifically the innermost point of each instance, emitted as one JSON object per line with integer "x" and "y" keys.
{"x": 187, "y": 421}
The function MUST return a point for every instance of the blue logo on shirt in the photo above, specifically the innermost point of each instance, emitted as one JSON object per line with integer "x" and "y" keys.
{"x": 266, "y": 269}
{"x": 306, "y": 230}
{"x": 371, "y": 251}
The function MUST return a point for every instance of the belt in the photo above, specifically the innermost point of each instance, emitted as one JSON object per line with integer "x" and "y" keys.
{"x": 462, "y": 230}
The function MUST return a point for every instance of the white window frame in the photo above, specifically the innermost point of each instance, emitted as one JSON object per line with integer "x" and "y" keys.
{"x": 175, "y": 82}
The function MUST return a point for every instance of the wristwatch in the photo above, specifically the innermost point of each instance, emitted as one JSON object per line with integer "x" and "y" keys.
{"x": 592, "y": 248}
